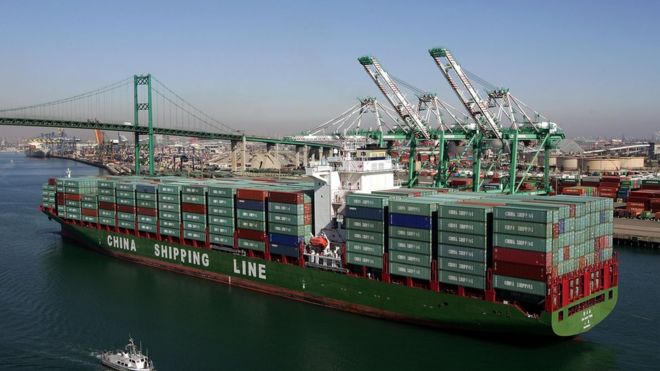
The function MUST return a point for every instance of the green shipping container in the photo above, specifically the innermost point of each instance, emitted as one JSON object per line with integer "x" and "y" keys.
{"x": 365, "y": 225}
{"x": 192, "y": 226}
{"x": 221, "y": 201}
{"x": 464, "y": 212}
{"x": 365, "y": 248}
{"x": 106, "y": 221}
{"x": 277, "y": 207}
{"x": 194, "y": 235}
{"x": 126, "y": 224}
{"x": 104, "y": 198}
{"x": 222, "y": 192}
{"x": 526, "y": 214}
{"x": 252, "y": 224}
{"x": 169, "y": 188}
{"x": 106, "y": 192}
{"x": 522, "y": 242}
{"x": 412, "y": 207}
{"x": 170, "y": 232}
{"x": 290, "y": 219}
{"x": 90, "y": 219}
{"x": 462, "y": 252}
{"x": 125, "y": 202}
{"x": 463, "y": 226}
{"x": 221, "y": 230}
{"x": 146, "y": 196}
{"x": 366, "y": 200}
{"x": 170, "y": 198}
{"x": 147, "y": 227}
{"x": 542, "y": 230}
{"x": 418, "y": 247}
{"x": 411, "y": 233}
{"x": 126, "y": 194}
{"x": 291, "y": 230}
{"x": 147, "y": 204}
{"x": 364, "y": 260}
{"x": 251, "y": 245}
{"x": 147, "y": 219}
{"x": 169, "y": 224}
{"x": 460, "y": 239}
{"x": 89, "y": 205}
{"x": 413, "y": 271}
{"x": 251, "y": 215}
{"x": 369, "y": 237}
{"x": 462, "y": 279}
{"x": 168, "y": 215}
{"x": 126, "y": 216}
{"x": 221, "y": 211}
{"x": 194, "y": 199}
{"x": 169, "y": 207}
{"x": 193, "y": 217}
{"x": 221, "y": 240}
{"x": 422, "y": 260}
{"x": 221, "y": 220}
{"x": 462, "y": 266}
{"x": 194, "y": 190}
{"x": 519, "y": 285}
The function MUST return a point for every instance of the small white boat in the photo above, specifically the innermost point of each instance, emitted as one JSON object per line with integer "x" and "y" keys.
{"x": 129, "y": 359}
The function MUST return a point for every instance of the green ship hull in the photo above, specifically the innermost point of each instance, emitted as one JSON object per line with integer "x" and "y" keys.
{"x": 344, "y": 292}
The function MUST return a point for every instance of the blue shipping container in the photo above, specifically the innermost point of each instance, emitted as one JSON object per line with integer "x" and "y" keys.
{"x": 283, "y": 239}
{"x": 285, "y": 250}
{"x": 410, "y": 221}
{"x": 361, "y": 212}
{"x": 251, "y": 205}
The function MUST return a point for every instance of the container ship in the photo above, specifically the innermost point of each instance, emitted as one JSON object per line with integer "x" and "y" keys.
{"x": 344, "y": 237}
{"x": 36, "y": 150}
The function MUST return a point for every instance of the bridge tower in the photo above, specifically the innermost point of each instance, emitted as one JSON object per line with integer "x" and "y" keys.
{"x": 138, "y": 106}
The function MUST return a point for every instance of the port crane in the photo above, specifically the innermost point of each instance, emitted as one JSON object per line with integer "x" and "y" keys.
{"x": 523, "y": 127}
{"x": 414, "y": 127}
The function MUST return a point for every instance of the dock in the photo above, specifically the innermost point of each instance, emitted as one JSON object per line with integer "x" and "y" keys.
{"x": 635, "y": 232}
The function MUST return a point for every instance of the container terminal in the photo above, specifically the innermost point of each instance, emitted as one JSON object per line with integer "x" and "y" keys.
{"x": 425, "y": 215}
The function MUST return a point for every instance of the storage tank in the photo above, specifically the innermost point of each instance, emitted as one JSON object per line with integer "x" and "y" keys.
{"x": 632, "y": 163}
{"x": 568, "y": 163}
{"x": 600, "y": 164}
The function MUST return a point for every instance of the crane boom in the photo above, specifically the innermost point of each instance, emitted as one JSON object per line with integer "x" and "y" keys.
{"x": 391, "y": 91}
{"x": 476, "y": 107}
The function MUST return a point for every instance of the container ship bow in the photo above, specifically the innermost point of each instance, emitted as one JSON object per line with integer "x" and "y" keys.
{"x": 480, "y": 262}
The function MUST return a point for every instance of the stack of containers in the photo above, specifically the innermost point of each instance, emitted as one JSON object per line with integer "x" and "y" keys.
{"x": 464, "y": 232}
{"x": 59, "y": 198}
{"x": 251, "y": 219}
{"x": 609, "y": 186}
{"x": 221, "y": 215}
{"x": 89, "y": 208}
{"x": 126, "y": 205}
{"x": 169, "y": 209}
{"x": 49, "y": 194}
{"x": 412, "y": 232}
{"x": 74, "y": 189}
{"x": 147, "y": 207}
{"x": 193, "y": 211}
{"x": 526, "y": 235}
{"x": 107, "y": 203}
{"x": 289, "y": 222}
{"x": 580, "y": 191}
{"x": 367, "y": 232}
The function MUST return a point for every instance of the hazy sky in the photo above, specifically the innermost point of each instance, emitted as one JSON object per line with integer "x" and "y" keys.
{"x": 282, "y": 66}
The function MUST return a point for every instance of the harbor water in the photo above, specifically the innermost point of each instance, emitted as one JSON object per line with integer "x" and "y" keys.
{"x": 62, "y": 305}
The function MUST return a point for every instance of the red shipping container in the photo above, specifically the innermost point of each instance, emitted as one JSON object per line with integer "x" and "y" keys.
{"x": 52, "y": 181}
{"x": 530, "y": 272}
{"x": 126, "y": 209}
{"x": 106, "y": 205}
{"x": 252, "y": 194}
{"x": 73, "y": 197}
{"x": 89, "y": 212}
{"x": 148, "y": 211}
{"x": 505, "y": 254}
{"x": 567, "y": 253}
{"x": 193, "y": 208}
{"x": 251, "y": 235}
{"x": 286, "y": 197}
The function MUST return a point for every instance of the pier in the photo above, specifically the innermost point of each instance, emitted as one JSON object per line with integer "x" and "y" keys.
{"x": 635, "y": 232}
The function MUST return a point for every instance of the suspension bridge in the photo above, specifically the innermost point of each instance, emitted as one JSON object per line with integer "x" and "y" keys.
{"x": 144, "y": 106}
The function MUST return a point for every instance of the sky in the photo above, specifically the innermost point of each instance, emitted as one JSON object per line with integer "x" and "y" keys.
{"x": 279, "y": 67}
